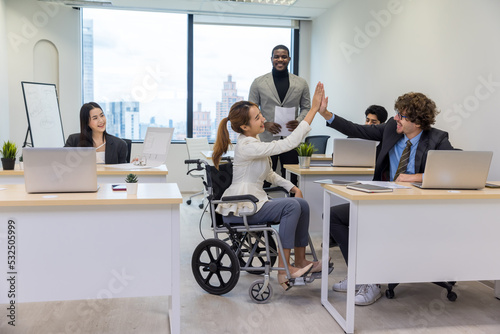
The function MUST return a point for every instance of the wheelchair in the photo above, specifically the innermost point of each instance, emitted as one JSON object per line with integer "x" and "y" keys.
{"x": 217, "y": 262}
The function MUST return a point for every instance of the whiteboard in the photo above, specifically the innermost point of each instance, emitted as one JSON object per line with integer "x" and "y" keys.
{"x": 44, "y": 117}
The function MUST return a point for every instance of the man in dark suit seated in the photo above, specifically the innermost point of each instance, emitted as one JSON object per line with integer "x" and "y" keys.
{"x": 401, "y": 155}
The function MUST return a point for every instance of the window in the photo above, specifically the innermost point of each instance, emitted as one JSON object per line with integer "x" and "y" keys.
{"x": 135, "y": 68}
{"x": 226, "y": 61}
{"x": 138, "y": 72}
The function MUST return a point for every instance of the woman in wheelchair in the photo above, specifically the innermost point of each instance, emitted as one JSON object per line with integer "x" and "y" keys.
{"x": 251, "y": 166}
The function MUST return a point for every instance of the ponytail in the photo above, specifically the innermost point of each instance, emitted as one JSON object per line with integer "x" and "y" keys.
{"x": 221, "y": 142}
{"x": 238, "y": 114}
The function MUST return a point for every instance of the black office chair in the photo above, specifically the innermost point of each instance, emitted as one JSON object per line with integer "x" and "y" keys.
{"x": 452, "y": 296}
{"x": 129, "y": 148}
{"x": 319, "y": 143}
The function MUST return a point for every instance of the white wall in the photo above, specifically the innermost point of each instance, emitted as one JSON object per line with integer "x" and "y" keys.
{"x": 448, "y": 50}
{"x": 4, "y": 94}
{"x": 30, "y": 23}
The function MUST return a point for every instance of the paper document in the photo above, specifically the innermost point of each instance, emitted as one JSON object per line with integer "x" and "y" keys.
{"x": 282, "y": 116}
{"x": 385, "y": 184}
{"x": 130, "y": 166}
{"x": 336, "y": 182}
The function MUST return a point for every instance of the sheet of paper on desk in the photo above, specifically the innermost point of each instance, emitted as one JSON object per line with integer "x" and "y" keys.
{"x": 337, "y": 182}
{"x": 282, "y": 116}
{"x": 129, "y": 166}
{"x": 385, "y": 184}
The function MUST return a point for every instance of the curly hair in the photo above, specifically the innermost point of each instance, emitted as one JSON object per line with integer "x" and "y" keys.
{"x": 418, "y": 108}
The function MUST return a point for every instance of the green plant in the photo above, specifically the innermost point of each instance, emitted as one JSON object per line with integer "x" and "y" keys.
{"x": 21, "y": 158}
{"x": 305, "y": 149}
{"x": 131, "y": 178}
{"x": 9, "y": 150}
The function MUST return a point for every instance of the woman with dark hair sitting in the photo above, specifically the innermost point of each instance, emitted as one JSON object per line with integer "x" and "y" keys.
{"x": 251, "y": 166}
{"x": 109, "y": 149}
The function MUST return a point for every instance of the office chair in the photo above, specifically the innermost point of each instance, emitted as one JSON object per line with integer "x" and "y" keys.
{"x": 129, "y": 148}
{"x": 319, "y": 143}
{"x": 194, "y": 147}
{"x": 216, "y": 262}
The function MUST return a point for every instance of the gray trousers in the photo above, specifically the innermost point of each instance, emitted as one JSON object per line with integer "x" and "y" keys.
{"x": 291, "y": 213}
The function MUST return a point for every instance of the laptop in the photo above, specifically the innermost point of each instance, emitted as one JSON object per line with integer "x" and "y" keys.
{"x": 154, "y": 149}
{"x": 456, "y": 170}
{"x": 60, "y": 170}
{"x": 351, "y": 152}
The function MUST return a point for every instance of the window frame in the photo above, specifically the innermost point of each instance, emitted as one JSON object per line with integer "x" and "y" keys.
{"x": 294, "y": 68}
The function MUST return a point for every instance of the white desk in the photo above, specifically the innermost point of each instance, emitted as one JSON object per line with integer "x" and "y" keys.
{"x": 89, "y": 246}
{"x": 312, "y": 191}
{"x": 105, "y": 174}
{"x": 460, "y": 230}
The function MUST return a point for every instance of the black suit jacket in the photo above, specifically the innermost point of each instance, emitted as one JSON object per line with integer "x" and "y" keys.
{"x": 433, "y": 139}
{"x": 116, "y": 148}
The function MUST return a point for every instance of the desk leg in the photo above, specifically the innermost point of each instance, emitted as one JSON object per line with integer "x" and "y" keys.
{"x": 348, "y": 323}
{"x": 326, "y": 246}
{"x": 497, "y": 289}
{"x": 175, "y": 302}
{"x": 288, "y": 175}
{"x": 351, "y": 266}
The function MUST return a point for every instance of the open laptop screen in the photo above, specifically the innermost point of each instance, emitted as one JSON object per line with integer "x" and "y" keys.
{"x": 456, "y": 169}
{"x": 65, "y": 169}
{"x": 351, "y": 152}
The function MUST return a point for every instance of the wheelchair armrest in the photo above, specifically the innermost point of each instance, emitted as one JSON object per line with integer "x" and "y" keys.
{"x": 240, "y": 198}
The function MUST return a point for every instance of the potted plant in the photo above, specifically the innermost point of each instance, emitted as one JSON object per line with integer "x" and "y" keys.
{"x": 8, "y": 151}
{"x": 131, "y": 181}
{"x": 21, "y": 162}
{"x": 305, "y": 150}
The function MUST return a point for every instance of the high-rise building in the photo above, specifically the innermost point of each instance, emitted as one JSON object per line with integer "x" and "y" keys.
{"x": 201, "y": 123}
{"x": 229, "y": 97}
{"x": 122, "y": 119}
{"x": 88, "y": 60}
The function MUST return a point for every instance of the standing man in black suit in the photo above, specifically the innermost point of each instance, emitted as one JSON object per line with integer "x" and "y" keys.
{"x": 408, "y": 134}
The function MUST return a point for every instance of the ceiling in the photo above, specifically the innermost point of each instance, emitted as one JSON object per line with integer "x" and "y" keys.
{"x": 301, "y": 10}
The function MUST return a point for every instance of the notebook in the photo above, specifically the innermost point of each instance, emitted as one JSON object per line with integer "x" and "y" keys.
{"x": 369, "y": 188}
{"x": 456, "y": 170}
{"x": 351, "y": 152}
{"x": 58, "y": 170}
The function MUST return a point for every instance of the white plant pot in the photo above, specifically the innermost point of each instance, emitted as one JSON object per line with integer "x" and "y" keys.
{"x": 304, "y": 162}
{"x": 132, "y": 188}
{"x": 21, "y": 165}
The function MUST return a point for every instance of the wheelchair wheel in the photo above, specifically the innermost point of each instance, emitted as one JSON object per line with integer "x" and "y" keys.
{"x": 254, "y": 289}
{"x": 215, "y": 266}
{"x": 259, "y": 259}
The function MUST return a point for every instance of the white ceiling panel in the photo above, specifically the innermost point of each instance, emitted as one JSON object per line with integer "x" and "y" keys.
{"x": 301, "y": 10}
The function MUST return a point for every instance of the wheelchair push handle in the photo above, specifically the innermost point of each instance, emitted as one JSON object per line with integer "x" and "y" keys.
{"x": 193, "y": 161}
{"x": 198, "y": 163}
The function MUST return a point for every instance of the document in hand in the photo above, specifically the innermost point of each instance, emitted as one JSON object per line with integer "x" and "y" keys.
{"x": 369, "y": 188}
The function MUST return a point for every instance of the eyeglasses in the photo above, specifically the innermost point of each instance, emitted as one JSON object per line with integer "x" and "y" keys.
{"x": 401, "y": 116}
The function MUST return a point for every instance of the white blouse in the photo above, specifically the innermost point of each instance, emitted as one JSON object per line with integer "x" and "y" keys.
{"x": 100, "y": 157}
{"x": 252, "y": 165}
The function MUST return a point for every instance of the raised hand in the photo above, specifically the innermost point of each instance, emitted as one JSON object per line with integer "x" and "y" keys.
{"x": 319, "y": 94}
